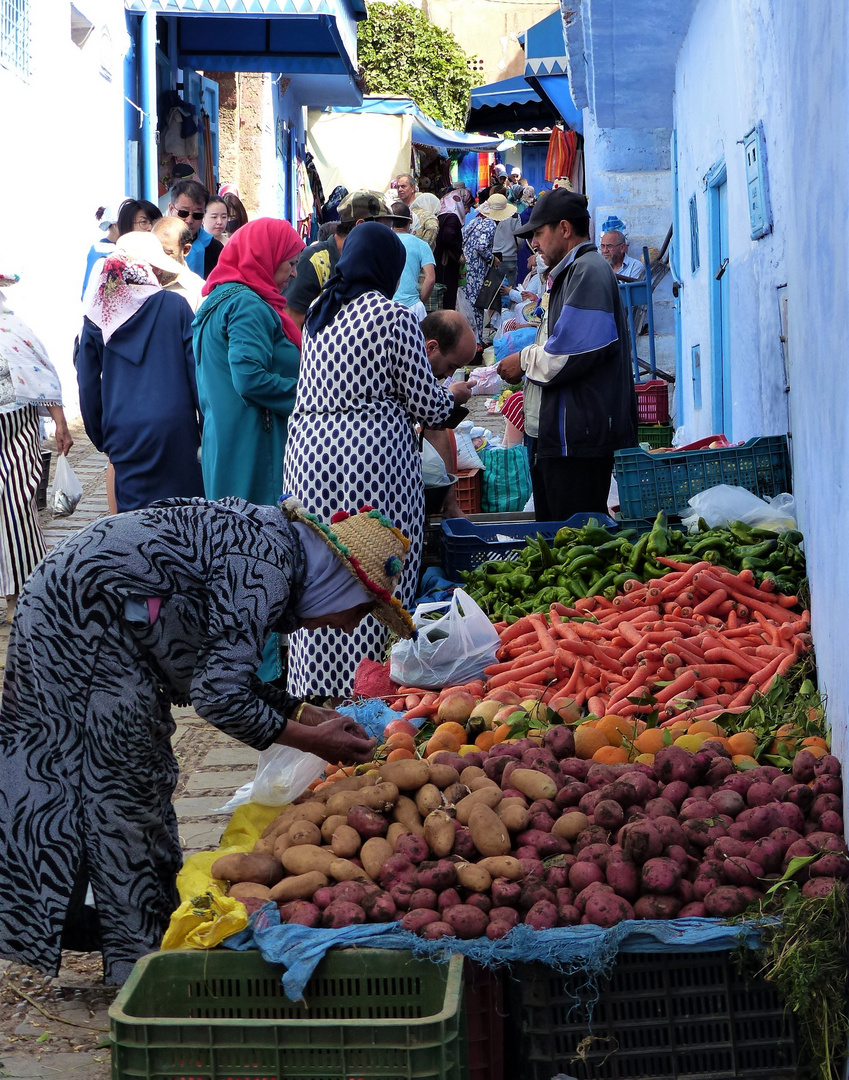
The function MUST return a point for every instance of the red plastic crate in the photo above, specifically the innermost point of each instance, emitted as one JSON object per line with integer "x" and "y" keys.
{"x": 652, "y": 401}
{"x": 468, "y": 489}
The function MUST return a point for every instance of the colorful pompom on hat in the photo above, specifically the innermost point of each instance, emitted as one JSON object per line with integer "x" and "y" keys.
{"x": 372, "y": 548}
{"x": 8, "y": 279}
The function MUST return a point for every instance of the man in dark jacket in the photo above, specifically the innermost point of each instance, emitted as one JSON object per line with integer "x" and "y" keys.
{"x": 580, "y": 404}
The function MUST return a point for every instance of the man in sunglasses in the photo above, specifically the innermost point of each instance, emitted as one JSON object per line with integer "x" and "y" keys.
{"x": 188, "y": 202}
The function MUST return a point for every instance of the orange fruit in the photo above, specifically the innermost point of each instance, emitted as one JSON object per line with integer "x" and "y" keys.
{"x": 500, "y": 733}
{"x": 615, "y": 727}
{"x": 611, "y": 755}
{"x": 817, "y": 751}
{"x": 401, "y": 741}
{"x": 706, "y": 727}
{"x": 645, "y": 759}
{"x": 444, "y": 741}
{"x": 588, "y": 740}
{"x": 744, "y": 761}
{"x": 813, "y": 741}
{"x": 401, "y": 754}
{"x": 451, "y": 727}
{"x": 785, "y": 736}
{"x": 469, "y": 748}
{"x": 650, "y": 741}
{"x": 742, "y": 742}
{"x": 485, "y": 740}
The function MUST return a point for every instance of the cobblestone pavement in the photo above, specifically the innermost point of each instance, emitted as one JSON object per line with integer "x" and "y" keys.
{"x": 59, "y": 1027}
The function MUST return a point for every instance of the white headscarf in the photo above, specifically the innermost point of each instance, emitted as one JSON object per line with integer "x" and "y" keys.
{"x": 331, "y": 587}
{"x": 34, "y": 379}
{"x": 125, "y": 283}
{"x": 426, "y": 201}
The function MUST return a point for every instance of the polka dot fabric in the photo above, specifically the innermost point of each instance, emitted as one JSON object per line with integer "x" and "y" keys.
{"x": 365, "y": 378}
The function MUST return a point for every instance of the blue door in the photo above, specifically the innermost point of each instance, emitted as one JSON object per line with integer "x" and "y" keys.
{"x": 720, "y": 300}
{"x": 533, "y": 165}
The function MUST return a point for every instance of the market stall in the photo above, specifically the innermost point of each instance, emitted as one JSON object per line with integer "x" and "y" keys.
{"x": 604, "y": 769}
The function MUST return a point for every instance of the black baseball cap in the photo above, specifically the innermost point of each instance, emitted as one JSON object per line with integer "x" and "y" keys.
{"x": 561, "y": 204}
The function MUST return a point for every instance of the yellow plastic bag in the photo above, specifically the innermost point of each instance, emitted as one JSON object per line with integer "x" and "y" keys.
{"x": 206, "y": 916}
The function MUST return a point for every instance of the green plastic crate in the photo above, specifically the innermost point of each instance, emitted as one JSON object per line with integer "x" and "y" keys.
{"x": 222, "y": 1015}
{"x": 656, "y": 435}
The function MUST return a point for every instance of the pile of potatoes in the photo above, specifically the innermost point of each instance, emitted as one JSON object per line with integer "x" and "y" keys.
{"x": 537, "y": 836}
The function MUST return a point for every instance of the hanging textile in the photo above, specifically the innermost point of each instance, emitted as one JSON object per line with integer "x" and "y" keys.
{"x": 208, "y": 164}
{"x": 557, "y": 161}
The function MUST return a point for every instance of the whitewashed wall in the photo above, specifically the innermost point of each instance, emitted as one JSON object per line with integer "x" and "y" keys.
{"x": 62, "y": 147}
{"x": 783, "y": 63}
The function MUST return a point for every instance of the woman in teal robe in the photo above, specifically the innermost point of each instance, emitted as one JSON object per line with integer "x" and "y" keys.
{"x": 247, "y": 351}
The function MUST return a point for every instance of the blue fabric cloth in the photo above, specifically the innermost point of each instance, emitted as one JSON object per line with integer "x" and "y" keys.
{"x": 197, "y": 252}
{"x": 435, "y": 587}
{"x": 96, "y": 252}
{"x": 589, "y": 949}
{"x": 139, "y": 402}
{"x": 580, "y": 330}
{"x": 372, "y": 260}
{"x": 419, "y": 255}
{"x": 514, "y": 341}
{"x": 373, "y": 714}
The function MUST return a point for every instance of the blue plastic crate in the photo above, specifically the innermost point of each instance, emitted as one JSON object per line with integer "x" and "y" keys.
{"x": 667, "y": 481}
{"x": 470, "y": 543}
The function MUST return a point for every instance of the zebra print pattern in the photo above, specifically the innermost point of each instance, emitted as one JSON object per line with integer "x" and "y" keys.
{"x": 86, "y": 767}
{"x": 21, "y": 541}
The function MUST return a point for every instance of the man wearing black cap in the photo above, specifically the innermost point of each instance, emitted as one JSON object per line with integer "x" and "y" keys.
{"x": 580, "y": 404}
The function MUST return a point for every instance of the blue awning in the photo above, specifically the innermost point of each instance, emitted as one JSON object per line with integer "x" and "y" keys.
{"x": 546, "y": 68}
{"x": 555, "y": 89}
{"x": 426, "y": 130}
{"x": 312, "y": 42}
{"x": 507, "y": 92}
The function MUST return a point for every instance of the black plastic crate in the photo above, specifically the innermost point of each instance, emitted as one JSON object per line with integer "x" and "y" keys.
{"x": 660, "y": 1016}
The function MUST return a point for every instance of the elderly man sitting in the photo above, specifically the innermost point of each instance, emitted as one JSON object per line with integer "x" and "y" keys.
{"x": 614, "y": 248}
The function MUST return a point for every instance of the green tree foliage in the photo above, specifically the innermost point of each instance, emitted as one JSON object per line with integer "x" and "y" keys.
{"x": 402, "y": 52}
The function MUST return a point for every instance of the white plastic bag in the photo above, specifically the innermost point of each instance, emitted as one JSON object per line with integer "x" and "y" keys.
{"x": 67, "y": 490}
{"x": 467, "y": 456}
{"x": 449, "y": 650}
{"x": 433, "y": 467}
{"x": 282, "y": 774}
{"x": 726, "y": 502}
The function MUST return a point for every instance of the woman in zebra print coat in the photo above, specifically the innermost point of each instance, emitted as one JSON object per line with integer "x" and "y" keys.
{"x": 171, "y": 604}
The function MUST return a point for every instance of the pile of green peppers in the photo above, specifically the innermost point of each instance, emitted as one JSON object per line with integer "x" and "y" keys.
{"x": 593, "y": 561}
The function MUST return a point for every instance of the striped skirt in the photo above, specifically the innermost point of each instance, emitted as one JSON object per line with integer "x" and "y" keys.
{"x": 21, "y": 541}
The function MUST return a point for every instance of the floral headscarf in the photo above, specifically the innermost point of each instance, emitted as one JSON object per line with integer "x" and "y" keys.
{"x": 124, "y": 286}
{"x": 34, "y": 379}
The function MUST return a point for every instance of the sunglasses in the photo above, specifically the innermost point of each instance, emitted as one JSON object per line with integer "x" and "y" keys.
{"x": 196, "y": 215}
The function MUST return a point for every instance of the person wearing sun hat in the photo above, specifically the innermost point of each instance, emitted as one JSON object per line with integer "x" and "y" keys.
{"x": 29, "y": 390}
{"x": 505, "y": 245}
{"x": 134, "y": 613}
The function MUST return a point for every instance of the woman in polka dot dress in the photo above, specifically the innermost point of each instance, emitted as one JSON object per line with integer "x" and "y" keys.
{"x": 364, "y": 379}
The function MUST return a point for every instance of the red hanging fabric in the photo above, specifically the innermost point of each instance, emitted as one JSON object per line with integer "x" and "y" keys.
{"x": 558, "y": 153}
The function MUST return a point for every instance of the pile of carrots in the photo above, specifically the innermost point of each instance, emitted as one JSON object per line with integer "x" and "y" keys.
{"x": 700, "y": 633}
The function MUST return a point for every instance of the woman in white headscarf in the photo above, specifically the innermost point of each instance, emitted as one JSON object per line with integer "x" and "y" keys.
{"x": 448, "y": 252}
{"x": 425, "y": 207}
{"x": 29, "y": 389}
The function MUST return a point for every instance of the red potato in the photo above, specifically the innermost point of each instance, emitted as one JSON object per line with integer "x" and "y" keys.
{"x": 784, "y": 837}
{"x": 644, "y": 785}
{"x": 704, "y": 883}
{"x": 600, "y": 774}
{"x": 781, "y": 785}
{"x": 568, "y": 915}
{"x": 570, "y": 795}
{"x": 656, "y": 906}
{"x": 609, "y": 815}
{"x": 596, "y": 853}
{"x": 583, "y": 874}
{"x": 741, "y": 872}
{"x": 412, "y": 846}
{"x": 685, "y": 891}
{"x": 300, "y": 913}
{"x": 396, "y": 869}
{"x": 606, "y": 909}
{"x": 379, "y": 907}
{"x": 367, "y": 823}
{"x": 424, "y": 898}
{"x": 826, "y": 784}
{"x": 725, "y": 902}
{"x": 675, "y": 792}
{"x": 480, "y": 901}
{"x": 767, "y": 852}
{"x": 694, "y": 910}
{"x": 800, "y": 795}
{"x": 718, "y": 770}
{"x": 640, "y": 841}
{"x": 352, "y": 892}
{"x": 660, "y": 876}
{"x": 560, "y": 741}
{"x": 623, "y": 877}
{"x": 660, "y": 807}
{"x": 823, "y": 803}
{"x": 820, "y": 888}
{"x": 574, "y": 767}
{"x": 593, "y": 834}
{"x": 543, "y": 844}
{"x": 695, "y": 808}
{"x": 505, "y": 894}
{"x": 557, "y": 874}
{"x": 673, "y": 764}
{"x": 584, "y": 895}
{"x": 436, "y": 930}
{"x": 323, "y": 897}
{"x": 727, "y": 802}
{"x": 448, "y": 898}
{"x": 670, "y": 832}
{"x": 402, "y": 894}
{"x": 533, "y": 890}
{"x": 759, "y": 821}
{"x": 726, "y": 846}
{"x": 832, "y": 822}
{"x": 542, "y": 916}
{"x": 824, "y": 841}
{"x": 827, "y": 765}
{"x": 342, "y": 913}
{"x": 467, "y": 922}
{"x": 418, "y": 918}
{"x": 501, "y": 927}
{"x": 831, "y": 864}
{"x": 541, "y": 821}
{"x": 437, "y": 875}
{"x": 702, "y": 832}
{"x": 803, "y": 768}
{"x": 464, "y": 846}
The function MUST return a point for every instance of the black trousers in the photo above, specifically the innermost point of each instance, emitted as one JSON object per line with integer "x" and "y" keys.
{"x": 564, "y": 486}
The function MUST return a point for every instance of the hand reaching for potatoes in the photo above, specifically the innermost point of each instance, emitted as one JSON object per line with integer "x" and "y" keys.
{"x": 334, "y": 738}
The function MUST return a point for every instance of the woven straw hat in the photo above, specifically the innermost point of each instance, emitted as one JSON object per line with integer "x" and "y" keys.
{"x": 372, "y": 548}
{"x": 8, "y": 279}
{"x": 497, "y": 208}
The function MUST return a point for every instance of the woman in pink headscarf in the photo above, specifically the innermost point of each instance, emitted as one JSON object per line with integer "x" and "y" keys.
{"x": 247, "y": 350}
{"x": 448, "y": 252}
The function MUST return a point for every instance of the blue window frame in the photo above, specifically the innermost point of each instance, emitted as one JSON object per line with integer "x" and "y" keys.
{"x": 694, "y": 235}
{"x": 757, "y": 188}
{"x": 15, "y": 36}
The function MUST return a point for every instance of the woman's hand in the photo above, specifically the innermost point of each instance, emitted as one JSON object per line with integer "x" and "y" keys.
{"x": 64, "y": 442}
{"x": 337, "y": 738}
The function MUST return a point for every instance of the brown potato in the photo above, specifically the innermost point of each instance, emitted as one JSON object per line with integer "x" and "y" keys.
{"x": 535, "y": 785}
{"x": 439, "y": 833}
{"x": 442, "y": 775}
{"x": 305, "y": 858}
{"x": 381, "y": 797}
{"x": 407, "y": 775}
{"x": 470, "y": 773}
{"x": 331, "y": 824}
{"x": 515, "y": 817}
{"x": 428, "y": 798}
{"x": 346, "y": 842}
{"x": 473, "y": 877}
{"x": 343, "y": 870}
{"x": 249, "y": 890}
{"x": 395, "y": 830}
{"x": 264, "y": 846}
{"x": 486, "y": 796}
{"x": 374, "y": 854}
{"x": 304, "y": 832}
{"x": 299, "y": 887}
{"x": 281, "y": 844}
{"x": 489, "y": 833}
{"x": 503, "y": 866}
{"x": 406, "y": 812}
{"x": 455, "y": 792}
{"x": 246, "y": 866}
{"x": 483, "y": 782}
{"x": 570, "y": 825}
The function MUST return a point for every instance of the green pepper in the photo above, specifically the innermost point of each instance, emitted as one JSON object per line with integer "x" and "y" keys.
{"x": 604, "y": 582}
{"x": 758, "y": 551}
{"x": 545, "y": 551}
{"x": 791, "y": 536}
{"x": 595, "y": 534}
{"x": 579, "y": 551}
{"x": 638, "y": 552}
{"x": 741, "y": 531}
{"x": 657, "y": 536}
{"x": 620, "y": 579}
{"x": 585, "y": 562}
{"x": 564, "y": 537}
